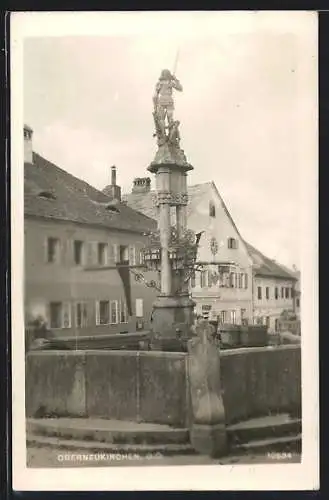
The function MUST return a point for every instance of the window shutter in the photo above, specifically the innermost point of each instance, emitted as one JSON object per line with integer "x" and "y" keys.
{"x": 106, "y": 255}
{"x": 60, "y": 252}
{"x": 116, "y": 252}
{"x": 69, "y": 251}
{"x": 66, "y": 315}
{"x": 97, "y": 313}
{"x": 45, "y": 249}
{"x": 114, "y": 312}
{"x": 91, "y": 253}
{"x": 246, "y": 280}
{"x": 132, "y": 255}
{"x": 139, "y": 308}
{"x": 110, "y": 254}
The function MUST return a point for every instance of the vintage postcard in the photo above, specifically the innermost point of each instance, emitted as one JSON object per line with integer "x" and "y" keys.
{"x": 164, "y": 250}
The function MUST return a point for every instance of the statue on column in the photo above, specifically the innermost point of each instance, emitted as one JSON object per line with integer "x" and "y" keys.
{"x": 163, "y": 113}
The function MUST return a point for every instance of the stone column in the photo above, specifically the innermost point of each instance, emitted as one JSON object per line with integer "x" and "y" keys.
{"x": 208, "y": 431}
{"x": 164, "y": 227}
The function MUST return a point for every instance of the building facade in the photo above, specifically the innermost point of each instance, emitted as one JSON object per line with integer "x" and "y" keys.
{"x": 76, "y": 238}
{"x": 222, "y": 289}
{"x": 273, "y": 290}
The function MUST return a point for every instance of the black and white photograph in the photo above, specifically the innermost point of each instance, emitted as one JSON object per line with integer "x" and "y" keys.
{"x": 164, "y": 250}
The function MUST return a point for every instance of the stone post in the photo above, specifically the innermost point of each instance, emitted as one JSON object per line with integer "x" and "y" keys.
{"x": 208, "y": 432}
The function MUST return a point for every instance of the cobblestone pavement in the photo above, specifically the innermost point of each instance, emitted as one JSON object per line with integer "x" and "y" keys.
{"x": 49, "y": 457}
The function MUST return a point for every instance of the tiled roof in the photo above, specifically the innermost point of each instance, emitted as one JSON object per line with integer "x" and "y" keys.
{"x": 66, "y": 197}
{"x": 266, "y": 267}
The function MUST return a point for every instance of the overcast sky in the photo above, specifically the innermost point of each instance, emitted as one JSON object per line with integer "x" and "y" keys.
{"x": 89, "y": 102}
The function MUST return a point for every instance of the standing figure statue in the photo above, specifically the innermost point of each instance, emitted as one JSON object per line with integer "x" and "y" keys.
{"x": 164, "y": 104}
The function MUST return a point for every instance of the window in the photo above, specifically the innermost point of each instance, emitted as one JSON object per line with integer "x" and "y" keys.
{"x": 276, "y": 293}
{"x": 212, "y": 209}
{"x": 53, "y": 248}
{"x": 282, "y": 292}
{"x": 132, "y": 255}
{"x": 276, "y": 325}
{"x": 114, "y": 312}
{"x": 101, "y": 253}
{"x": 232, "y": 279}
{"x": 297, "y": 302}
{"x": 246, "y": 280}
{"x": 60, "y": 315}
{"x": 123, "y": 312}
{"x": 267, "y": 291}
{"x": 259, "y": 293}
{"x": 81, "y": 315}
{"x": 139, "y": 308}
{"x": 240, "y": 280}
{"x": 287, "y": 293}
{"x": 223, "y": 316}
{"x": 244, "y": 319}
{"x": 203, "y": 279}
{"x": 267, "y": 321}
{"x": 124, "y": 254}
{"x": 56, "y": 314}
{"x": 78, "y": 252}
{"x": 102, "y": 312}
{"x": 233, "y": 317}
{"x": 193, "y": 280}
{"x": 206, "y": 311}
{"x": 232, "y": 243}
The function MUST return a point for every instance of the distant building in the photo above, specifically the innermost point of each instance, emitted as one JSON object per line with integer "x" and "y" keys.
{"x": 223, "y": 289}
{"x": 70, "y": 227}
{"x": 273, "y": 290}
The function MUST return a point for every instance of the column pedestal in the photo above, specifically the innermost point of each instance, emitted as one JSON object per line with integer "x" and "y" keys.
{"x": 172, "y": 320}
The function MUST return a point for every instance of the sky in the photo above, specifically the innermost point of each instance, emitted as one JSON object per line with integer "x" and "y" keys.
{"x": 88, "y": 99}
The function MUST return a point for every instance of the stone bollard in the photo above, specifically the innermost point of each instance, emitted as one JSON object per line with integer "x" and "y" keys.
{"x": 208, "y": 432}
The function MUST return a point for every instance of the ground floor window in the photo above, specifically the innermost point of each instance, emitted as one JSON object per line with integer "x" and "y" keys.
{"x": 233, "y": 317}
{"x": 60, "y": 314}
{"x": 114, "y": 312}
{"x": 276, "y": 325}
{"x": 123, "y": 312}
{"x": 81, "y": 315}
{"x": 102, "y": 312}
{"x": 223, "y": 316}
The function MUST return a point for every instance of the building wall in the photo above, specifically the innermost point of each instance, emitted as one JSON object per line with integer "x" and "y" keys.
{"x": 66, "y": 282}
{"x": 220, "y": 227}
{"x": 268, "y": 310}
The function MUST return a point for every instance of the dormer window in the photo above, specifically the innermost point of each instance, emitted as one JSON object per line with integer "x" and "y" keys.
{"x": 113, "y": 209}
{"x": 212, "y": 209}
{"x": 232, "y": 243}
{"x": 47, "y": 195}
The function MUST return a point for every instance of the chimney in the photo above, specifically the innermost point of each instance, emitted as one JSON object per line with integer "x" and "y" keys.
{"x": 112, "y": 190}
{"x": 113, "y": 176}
{"x": 142, "y": 185}
{"x": 28, "y": 151}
